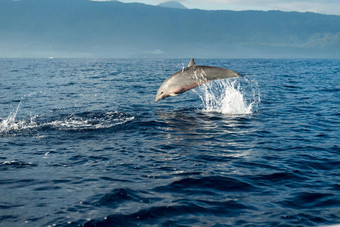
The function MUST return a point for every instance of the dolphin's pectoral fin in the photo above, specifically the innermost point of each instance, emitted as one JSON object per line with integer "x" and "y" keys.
{"x": 192, "y": 63}
{"x": 173, "y": 94}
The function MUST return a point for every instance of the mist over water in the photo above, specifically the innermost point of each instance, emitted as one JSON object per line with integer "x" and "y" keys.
{"x": 83, "y": 144}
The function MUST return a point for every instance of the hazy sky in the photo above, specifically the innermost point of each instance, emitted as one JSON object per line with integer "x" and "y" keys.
{"x": 318, "y": 6}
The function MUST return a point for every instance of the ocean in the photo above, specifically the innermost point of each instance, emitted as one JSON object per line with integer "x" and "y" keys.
{"x": 83, "y": 144}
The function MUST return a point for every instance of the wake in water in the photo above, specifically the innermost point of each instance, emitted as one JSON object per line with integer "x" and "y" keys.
{"x": 233, "y": 96}
{"x": 71, "y": 122}
{"x": 89, "y": 121}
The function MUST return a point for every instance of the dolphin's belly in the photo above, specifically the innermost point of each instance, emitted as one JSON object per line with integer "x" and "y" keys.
{"x": 188, "y": 80}
{"x": 184, "y": 88}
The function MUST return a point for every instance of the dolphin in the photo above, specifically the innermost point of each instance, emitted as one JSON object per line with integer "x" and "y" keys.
{"x": 191, "y": 77}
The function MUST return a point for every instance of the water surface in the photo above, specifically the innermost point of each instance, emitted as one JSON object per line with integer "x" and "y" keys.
{"x": 83, "y": 144}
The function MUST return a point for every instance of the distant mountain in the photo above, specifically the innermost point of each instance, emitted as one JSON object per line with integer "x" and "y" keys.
{"x": 173, "y": 4}
{"x": 83, "y": 28}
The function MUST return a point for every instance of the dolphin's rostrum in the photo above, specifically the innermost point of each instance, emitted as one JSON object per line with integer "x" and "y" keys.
{"x": 191, "y": 77}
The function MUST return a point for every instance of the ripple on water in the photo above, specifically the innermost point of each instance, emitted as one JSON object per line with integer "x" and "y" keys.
{"x": 259, "y": 150}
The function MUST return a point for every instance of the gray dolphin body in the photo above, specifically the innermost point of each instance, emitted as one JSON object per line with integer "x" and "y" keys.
{"x": 191, "y": 77}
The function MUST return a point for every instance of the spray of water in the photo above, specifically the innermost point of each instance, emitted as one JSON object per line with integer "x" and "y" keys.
{"x": 10, "y": 122}
{"x": 233, "y": 97}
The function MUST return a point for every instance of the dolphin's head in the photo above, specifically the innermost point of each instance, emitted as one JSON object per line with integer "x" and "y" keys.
{"x": 162, "y": 93}
{"x": 168, "y": 88}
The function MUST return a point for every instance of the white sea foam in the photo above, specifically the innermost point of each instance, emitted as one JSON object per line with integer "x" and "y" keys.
{"x": 234, "y": 96}
{"x": 88, "y": 122}
{"x": 85, "y": 121}
{"x": 10, "y": 124}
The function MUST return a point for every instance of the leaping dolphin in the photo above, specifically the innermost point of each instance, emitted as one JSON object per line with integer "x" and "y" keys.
{"x": 191, "y": 77}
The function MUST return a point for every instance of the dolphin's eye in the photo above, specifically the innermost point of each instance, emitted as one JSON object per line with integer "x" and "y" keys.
{"x": 162, "y": 92}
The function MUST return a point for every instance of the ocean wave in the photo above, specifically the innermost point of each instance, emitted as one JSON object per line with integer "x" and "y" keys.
{"x": 166, "y": 215}
{"x": 209, "y": 185}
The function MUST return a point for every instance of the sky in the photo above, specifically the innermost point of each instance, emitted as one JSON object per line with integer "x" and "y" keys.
{"x": 317, "y": 6}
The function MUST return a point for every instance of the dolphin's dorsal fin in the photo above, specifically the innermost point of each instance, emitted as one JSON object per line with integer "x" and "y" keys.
{"x": 192, "y": 63}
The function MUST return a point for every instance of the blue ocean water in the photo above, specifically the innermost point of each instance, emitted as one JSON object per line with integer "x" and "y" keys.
{"x": 83, "y": 144}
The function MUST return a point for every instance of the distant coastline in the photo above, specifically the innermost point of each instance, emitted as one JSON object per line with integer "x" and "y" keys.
{"x": 82, "y": 28}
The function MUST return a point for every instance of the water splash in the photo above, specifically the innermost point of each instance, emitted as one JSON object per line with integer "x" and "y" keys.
{"x": 183, "y": 67}
{"x": 10, "y": 123}
{"x": 234, "y": 96}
